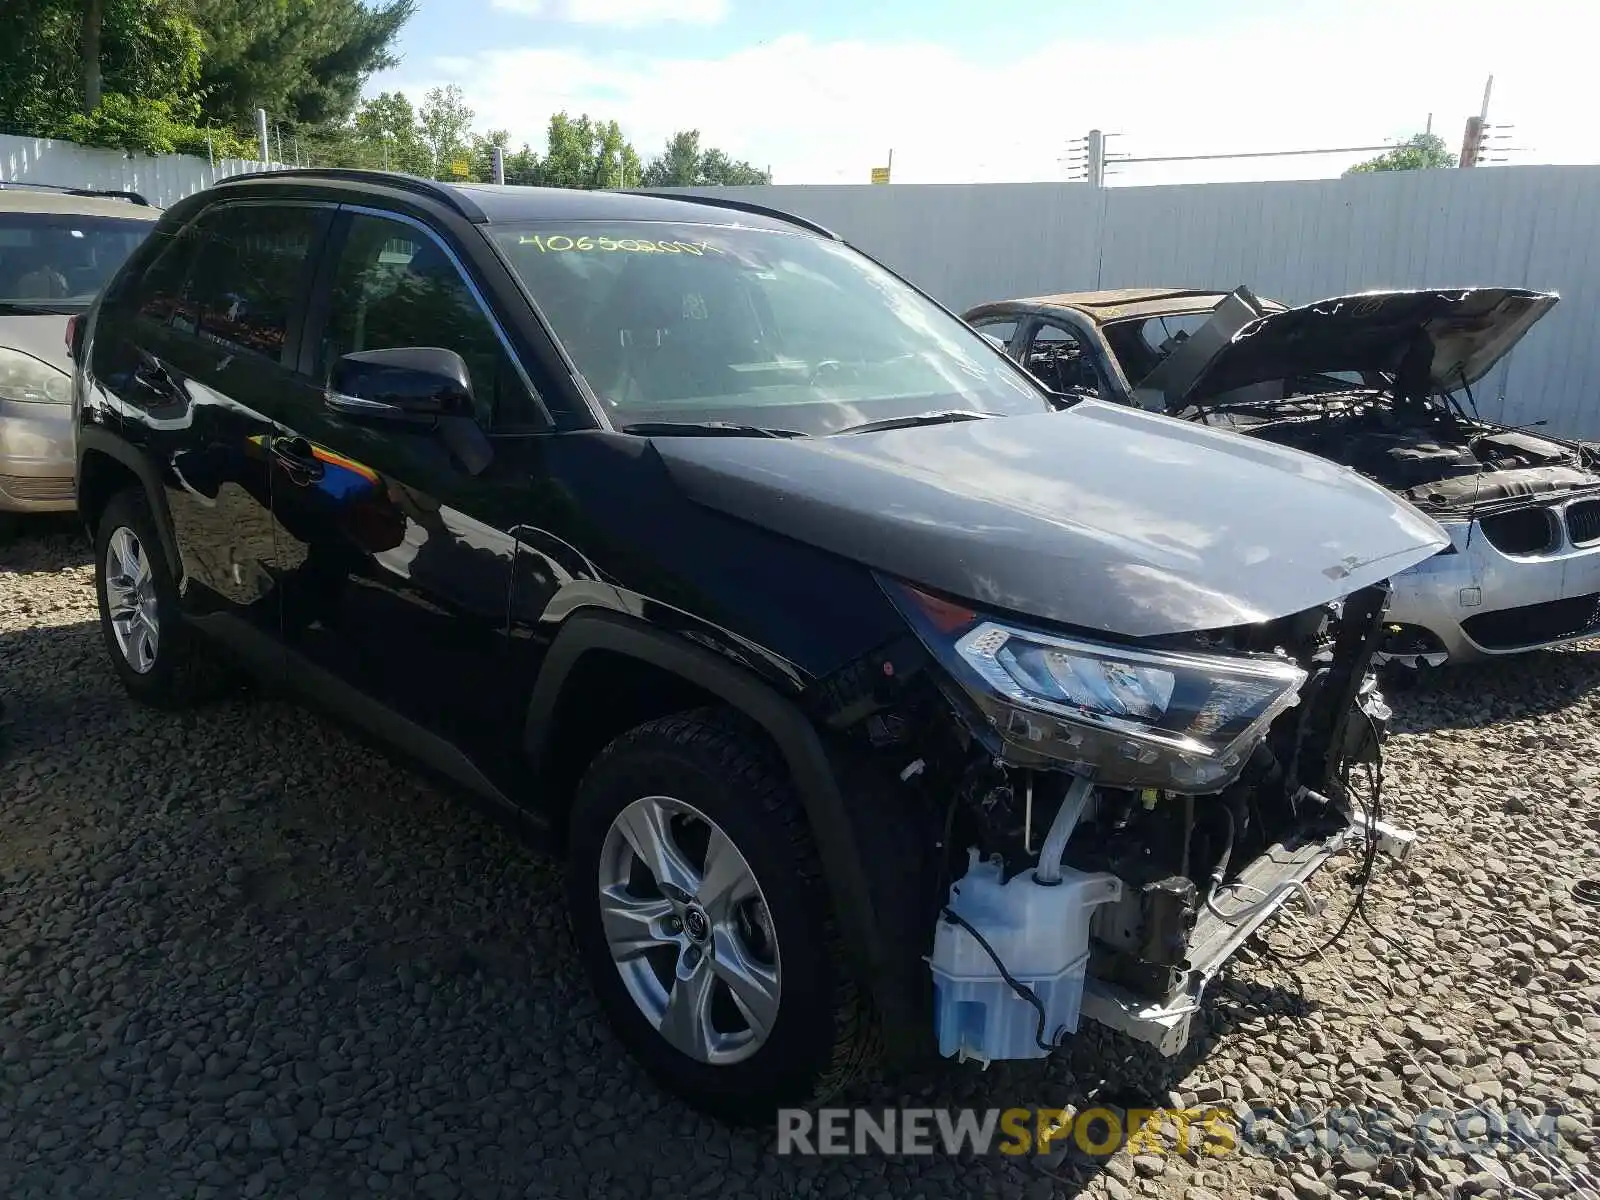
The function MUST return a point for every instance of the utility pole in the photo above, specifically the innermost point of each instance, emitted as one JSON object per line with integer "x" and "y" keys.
{"x": 261, "y": 135}
{"x": 1472, "y": 139}
{"x": 1097, "y": 158}
{"x": 497, "y": 160}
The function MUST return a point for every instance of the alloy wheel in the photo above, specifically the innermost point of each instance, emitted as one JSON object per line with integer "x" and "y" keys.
{"x": 131, "y": 600}
{"x": 688, "y": 930}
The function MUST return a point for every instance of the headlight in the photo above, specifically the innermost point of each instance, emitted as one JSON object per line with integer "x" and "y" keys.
{"x": 25, "y": 378}
{"x": 1128, "y": 715}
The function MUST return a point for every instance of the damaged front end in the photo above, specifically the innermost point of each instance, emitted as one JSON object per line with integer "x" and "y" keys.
{"x": 1121, "y": 815}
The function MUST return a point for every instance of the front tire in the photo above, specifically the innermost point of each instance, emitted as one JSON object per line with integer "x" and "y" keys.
{"x": 701, "y": 917}
{"x": 157, "y": 656}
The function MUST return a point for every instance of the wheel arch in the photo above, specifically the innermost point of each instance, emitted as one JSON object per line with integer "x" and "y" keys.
{"x": 805, "y": 756}
{"x": 107, "y": 465}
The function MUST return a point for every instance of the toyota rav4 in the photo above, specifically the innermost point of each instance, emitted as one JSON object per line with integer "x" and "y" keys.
{"x": 874, "y": 702}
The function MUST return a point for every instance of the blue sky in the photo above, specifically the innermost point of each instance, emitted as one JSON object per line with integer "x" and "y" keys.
{"x": 980, "y": 92}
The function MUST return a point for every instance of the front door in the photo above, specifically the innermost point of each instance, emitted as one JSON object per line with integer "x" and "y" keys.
{"x": 400, "y": 557}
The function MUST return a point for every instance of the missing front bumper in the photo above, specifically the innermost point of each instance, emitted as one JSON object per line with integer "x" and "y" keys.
{"x": 1280, "y": 873}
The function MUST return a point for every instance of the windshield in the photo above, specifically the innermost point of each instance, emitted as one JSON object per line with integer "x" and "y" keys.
{"x": 693, "y": 323}
{"x": 58, "y": 262}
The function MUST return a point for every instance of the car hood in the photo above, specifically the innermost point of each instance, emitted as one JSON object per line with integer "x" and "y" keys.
{"x": 1457, "y": 336}
{"x": 1102, "y": 517}
{"x": 44, "y": 337}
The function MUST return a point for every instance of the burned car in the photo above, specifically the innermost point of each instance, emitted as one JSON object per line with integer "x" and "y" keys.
{"x": 866, "y": 702}
{"x": 1380, "y": 382}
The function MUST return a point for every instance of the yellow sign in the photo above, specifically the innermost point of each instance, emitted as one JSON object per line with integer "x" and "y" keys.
{"x": 460, "y": 168}
{"x": 880, "y": 174}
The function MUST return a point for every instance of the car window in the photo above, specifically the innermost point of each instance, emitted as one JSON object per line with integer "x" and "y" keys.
{"x": 1142, "y": 342}
{"x": 58, "y": 261}
{"x": 998, "y": 330}
{"x": 1056, "y": 357}
{"x": 248, "y": 274}
{"x": 690, "y": 323}
{"x": 159, "y": 290}
{"x": 395, "y": 286}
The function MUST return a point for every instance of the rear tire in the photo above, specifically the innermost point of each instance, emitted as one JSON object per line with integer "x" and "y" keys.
{"x": 159, "y": 658}
{"x": 708, "y": 788}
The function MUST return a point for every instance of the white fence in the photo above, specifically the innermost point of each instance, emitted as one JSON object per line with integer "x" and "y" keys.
{"x": 161, "y": 179}
{"x": 1533, "y": 227}
{"x": 1298, "y": 241}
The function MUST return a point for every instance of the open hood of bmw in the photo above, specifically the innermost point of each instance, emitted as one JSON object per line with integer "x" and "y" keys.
{"x": 1100, "y": 517}
{"x": 1432, "y": 340}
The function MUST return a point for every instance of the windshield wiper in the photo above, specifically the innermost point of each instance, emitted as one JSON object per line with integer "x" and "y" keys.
{"x": 933, "y": 418}
{"x": 706, "y": 428}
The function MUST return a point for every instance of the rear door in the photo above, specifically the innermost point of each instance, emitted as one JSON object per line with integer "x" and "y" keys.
{"x": 400, "y": 557}
{"x": 213, "y": 332}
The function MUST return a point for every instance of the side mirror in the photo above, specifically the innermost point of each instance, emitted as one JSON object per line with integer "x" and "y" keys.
{"x": 416, "y": 384}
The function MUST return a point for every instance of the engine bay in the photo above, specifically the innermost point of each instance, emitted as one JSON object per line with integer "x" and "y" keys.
{"x": 1427, "y": 452}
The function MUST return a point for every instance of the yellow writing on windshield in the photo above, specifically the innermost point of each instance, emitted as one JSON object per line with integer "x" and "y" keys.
{"x": 556, "y": 243}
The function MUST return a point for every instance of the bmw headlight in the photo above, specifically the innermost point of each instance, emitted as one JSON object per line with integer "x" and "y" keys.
{"x": 1131, "y": 716}
{"x": 32, "y": 381}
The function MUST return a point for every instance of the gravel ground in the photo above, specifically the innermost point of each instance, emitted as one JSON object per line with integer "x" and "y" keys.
{"x": 245, "y": 955}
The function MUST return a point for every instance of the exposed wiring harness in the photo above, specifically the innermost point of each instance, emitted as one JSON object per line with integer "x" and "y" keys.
{"x": 1368, "y": 860}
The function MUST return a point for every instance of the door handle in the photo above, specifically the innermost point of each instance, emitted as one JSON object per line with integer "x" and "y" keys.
{"x": 298, "y": 460}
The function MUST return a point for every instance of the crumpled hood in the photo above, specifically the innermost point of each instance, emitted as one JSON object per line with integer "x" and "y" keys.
{"x": 1456, "y": 335}
{"x": 1102, "y": 516}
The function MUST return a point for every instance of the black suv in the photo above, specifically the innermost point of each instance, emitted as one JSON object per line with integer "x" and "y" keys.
{"x": 872, "y": 701}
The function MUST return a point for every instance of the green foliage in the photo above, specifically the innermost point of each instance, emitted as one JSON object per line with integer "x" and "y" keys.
{"x": 150, "y": 53}
{"x": 587, "y": 153}
{"x": 444, "y": 124}
{"x": 304, "y": 61}
{"x": 186, "y": 76}
{"x": 164, "y": 63}
{"x": 684, "y": 164}
{"x": 1419, "y": 152}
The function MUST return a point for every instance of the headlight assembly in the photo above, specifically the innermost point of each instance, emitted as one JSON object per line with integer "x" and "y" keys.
{"x": 32, "y": 381}
{"x": 1130, "y": 716}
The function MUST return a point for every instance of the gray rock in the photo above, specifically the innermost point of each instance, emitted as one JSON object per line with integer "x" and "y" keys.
{"x": 261, "y": 1134}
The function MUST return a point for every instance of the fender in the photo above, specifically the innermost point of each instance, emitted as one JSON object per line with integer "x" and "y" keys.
{"x": 809, "y": 768}
{"x": 102, "y": 441}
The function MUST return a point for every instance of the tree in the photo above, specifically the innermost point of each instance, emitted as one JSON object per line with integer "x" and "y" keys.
{"x": 678, "y": 165}
{"x": 444, "y": 123}
{"x": 684, "y": 164}
{"x": 1419, "y": 152}
{"x": 304, "y": 61}
{"x": 717, "y": 168}
{"x": 587, "y": 153}
{"x": 63, "y": 61}
{"x": 387, "y": 135}
{"x": 93, "y": 23}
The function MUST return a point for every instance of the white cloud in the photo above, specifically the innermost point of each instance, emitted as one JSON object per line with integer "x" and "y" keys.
{"x": 827, "y": 111}
{"x": 624, "y": 14}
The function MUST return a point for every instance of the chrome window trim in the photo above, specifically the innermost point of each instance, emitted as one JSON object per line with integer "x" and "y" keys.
{"x": 472, "y": 287}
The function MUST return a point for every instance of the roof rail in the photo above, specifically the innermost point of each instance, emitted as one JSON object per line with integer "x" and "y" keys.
{"x": 60, "y": 190}
{"x": 760, "y": 210}
{"x": 433, "y": 189}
